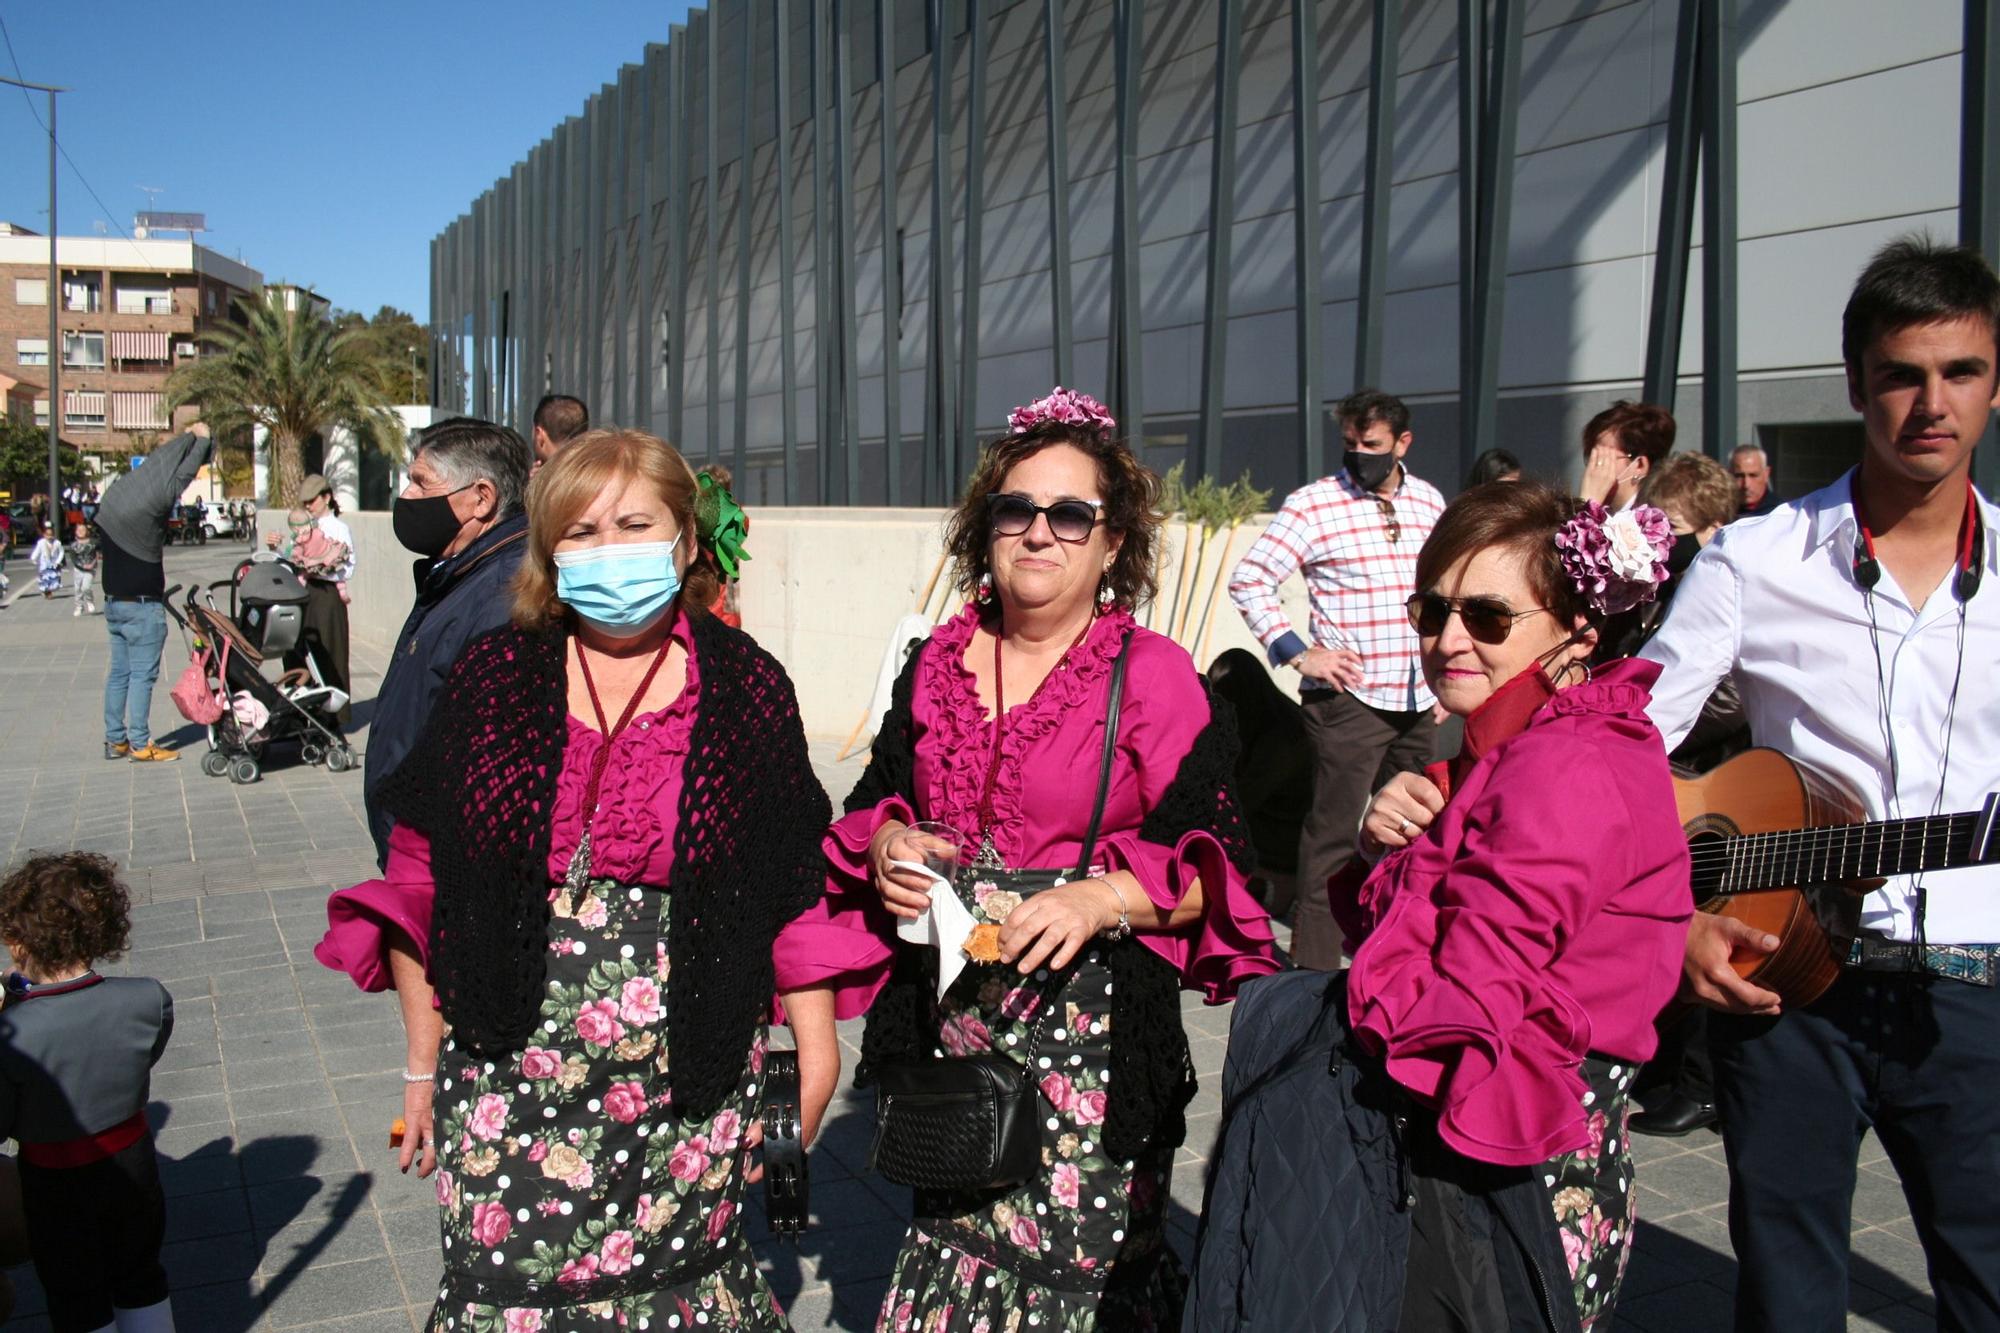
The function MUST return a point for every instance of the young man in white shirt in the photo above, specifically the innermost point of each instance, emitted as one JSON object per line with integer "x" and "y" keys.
{"x": 1854, "y": 624}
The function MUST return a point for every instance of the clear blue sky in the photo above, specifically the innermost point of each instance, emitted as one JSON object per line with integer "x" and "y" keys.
{"x": 327, "y": 142}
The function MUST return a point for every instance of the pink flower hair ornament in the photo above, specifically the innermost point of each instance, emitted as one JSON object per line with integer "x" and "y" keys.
{"x": 1617, "y": 561}
{"x": 1068, "y": 407}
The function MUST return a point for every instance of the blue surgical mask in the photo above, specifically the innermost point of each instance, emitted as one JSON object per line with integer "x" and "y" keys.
{"x": 622, "y": 588}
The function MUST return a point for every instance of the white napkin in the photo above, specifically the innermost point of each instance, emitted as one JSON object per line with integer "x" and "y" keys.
{"x": 944, "y": 925}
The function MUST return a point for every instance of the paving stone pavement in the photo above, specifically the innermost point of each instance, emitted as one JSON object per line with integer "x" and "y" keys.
{"x": 273, "y": 1100}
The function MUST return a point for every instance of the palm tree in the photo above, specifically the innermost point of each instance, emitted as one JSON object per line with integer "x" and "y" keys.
{"x": 294, "y": 374}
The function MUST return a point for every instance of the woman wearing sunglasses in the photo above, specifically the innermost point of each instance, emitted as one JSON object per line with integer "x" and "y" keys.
{"x": 1525, "y": 922}
{"x": 998, "y": 730}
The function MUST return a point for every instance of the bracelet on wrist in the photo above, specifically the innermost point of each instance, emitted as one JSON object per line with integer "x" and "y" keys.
{"x": 1124, "y": 926}
{"x": 410, "y": 1078}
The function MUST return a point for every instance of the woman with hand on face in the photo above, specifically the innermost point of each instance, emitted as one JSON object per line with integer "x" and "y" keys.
{"x": 608, "y": 823}
{"x": 998, "y": 729}
{"x": 1526, "y": 920}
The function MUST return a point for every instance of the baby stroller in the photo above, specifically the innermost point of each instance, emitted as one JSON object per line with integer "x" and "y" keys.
{"x": 225, "y": 688}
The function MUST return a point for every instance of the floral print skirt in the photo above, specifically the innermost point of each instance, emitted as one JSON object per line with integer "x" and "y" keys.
{"x": 573, "y": 1197}
{"x": 1591, "y": 1192}
{"x": 1079, "y": 1246}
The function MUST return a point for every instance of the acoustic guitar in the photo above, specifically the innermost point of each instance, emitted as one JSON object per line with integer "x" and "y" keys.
{"x": 1783, "y": 847}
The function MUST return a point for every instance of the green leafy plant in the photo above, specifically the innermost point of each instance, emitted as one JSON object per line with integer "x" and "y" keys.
{"x": 296, "y": 375}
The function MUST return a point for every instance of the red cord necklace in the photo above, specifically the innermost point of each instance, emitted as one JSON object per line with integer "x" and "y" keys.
{"x": 577, "y": 877}
{"x": 988, "y": 856}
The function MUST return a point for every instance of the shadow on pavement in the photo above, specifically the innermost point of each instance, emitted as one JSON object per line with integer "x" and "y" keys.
{"x": 226, "y": 1205}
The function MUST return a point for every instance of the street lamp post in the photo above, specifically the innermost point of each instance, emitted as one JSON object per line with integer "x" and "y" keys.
{"x": 55, "y": 334}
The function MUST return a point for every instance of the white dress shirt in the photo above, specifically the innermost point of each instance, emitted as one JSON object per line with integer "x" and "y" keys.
{"x": 1775, "y": 600}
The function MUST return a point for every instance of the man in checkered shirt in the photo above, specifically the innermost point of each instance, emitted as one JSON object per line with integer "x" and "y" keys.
{"x": 1368, "y": 712}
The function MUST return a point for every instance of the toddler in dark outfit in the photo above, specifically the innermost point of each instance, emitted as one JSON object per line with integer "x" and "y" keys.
{"x": 76, "y": 1057}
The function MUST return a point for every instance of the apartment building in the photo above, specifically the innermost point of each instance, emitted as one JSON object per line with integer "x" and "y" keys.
{"x": 128, "y": 312}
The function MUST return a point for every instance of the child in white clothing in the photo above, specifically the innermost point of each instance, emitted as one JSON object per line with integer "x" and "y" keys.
{"x": 83, "y": 558}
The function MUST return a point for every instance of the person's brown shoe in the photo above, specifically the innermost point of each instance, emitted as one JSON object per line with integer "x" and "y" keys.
{"x": 116, "y": 750}
{"x": 153, "y": 754}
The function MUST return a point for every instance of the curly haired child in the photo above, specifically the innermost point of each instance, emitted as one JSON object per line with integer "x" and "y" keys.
{"x": 76, "y": 1057}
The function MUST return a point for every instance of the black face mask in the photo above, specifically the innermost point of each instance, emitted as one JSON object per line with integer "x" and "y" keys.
{"x": 425, "y": 523}
{"x": 1368, "y": 470}
{"x": 1686, "y": 547}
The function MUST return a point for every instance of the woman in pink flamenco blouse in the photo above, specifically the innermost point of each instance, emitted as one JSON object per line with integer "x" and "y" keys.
{"x": 609, "y": 823}
{"x": 1524, "y": 925}
{"x": 1056, "y": 540}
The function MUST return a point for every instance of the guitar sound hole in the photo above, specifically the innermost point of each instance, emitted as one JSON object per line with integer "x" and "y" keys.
{"x": 1708, "y": 854}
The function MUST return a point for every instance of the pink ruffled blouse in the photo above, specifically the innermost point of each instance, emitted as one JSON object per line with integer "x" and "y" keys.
{"x": 1043, "y": 792}
{"x": 1540, "y": 918}
{"x": 632, "y": 837}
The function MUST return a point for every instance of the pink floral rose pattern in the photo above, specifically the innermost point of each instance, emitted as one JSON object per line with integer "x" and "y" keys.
{"x": 566, "y": 1163}
{"x": 979, "y": 1263}
{"x": 1591, "y": 1192}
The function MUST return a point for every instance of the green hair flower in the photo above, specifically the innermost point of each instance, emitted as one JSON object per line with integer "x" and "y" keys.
{"x": 720, "y": 524}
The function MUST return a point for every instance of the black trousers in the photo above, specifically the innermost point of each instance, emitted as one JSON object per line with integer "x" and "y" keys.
{"x": 324, "y": 635}
{"x": 1356, "y": 749}
{"x": 94, "y": 1232}
{"x": 1916, "y": 1058}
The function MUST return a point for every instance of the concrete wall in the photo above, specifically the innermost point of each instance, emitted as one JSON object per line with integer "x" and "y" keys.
{"x": 823, "y": 591}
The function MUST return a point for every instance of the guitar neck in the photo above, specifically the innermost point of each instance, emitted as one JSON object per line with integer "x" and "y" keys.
{"x": 1799, "y": 858}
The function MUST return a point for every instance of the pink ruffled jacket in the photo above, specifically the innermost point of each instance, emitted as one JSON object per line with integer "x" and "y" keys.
{"x": 1043, "y": 792}
{"x": 1540, "y": 918}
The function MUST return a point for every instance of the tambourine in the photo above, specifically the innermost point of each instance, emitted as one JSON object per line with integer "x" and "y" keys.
{"x": 787, "y": 1190}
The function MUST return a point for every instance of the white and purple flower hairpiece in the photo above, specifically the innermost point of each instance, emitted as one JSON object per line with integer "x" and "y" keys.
{"x": 1617, "y": 561}
{"x": 1069, "y": 407}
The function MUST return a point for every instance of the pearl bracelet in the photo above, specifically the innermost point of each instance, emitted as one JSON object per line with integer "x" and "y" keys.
{"x": 408, "y": 1077}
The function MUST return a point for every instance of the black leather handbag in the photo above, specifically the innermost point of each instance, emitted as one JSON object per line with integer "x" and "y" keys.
{"x": 973, "y": 1122}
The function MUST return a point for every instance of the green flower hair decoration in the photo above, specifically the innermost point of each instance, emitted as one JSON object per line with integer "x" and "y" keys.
{"x": 720, "y": 524}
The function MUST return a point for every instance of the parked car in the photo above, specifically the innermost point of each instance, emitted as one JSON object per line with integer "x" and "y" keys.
{"x": 216, "y": 520}
{"x": 25, "y": 526}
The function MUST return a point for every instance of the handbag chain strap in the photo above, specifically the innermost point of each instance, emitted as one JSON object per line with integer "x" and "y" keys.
{"x": 1058, "y": 980}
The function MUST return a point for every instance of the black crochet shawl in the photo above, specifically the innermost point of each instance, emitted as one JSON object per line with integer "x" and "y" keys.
{"x": 482, "y": 782}
{"x": 1153, "y": 1076}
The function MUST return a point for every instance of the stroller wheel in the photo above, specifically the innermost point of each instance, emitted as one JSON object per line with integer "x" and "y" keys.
{"x": 215, "y": 763}
{"x": 340, "y": 759}
{"x": 311, "y": 753}
{"x": 243, "y": 770}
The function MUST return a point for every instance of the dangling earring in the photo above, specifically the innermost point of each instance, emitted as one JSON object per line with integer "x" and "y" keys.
{"x": 1106, "y": 598}
{"x": 983, "y": 594}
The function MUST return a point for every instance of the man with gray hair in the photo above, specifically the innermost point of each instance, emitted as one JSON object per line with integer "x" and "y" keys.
{"x": 1752, "y": 470}
{"x": 462, "y": 512}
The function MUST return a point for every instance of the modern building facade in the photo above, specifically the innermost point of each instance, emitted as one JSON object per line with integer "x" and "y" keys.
{"x": 1499, "y": 209}
{"x": 130, "y": 311}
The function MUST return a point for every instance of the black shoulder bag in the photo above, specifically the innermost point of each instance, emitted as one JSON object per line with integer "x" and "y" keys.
{"x": 972, "y": 1122}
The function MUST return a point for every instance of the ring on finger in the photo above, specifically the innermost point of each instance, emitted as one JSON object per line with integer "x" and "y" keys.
{"x": 1405, "y": 827}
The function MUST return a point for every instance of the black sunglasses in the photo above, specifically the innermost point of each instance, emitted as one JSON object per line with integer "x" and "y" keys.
{"x": 1487, "y": 619}
{"x": 1070, "y": 520}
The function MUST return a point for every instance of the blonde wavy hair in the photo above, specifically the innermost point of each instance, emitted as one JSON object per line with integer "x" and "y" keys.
{"x": 593, "y": 463}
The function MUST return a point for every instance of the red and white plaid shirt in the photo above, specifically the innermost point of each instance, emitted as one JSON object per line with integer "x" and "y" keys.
{"x": 1357, "y": 581}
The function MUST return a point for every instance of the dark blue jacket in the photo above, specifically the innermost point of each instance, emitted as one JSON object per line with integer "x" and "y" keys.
{"x": 1306, "y": 1222}
{"x": 459, "y": 598}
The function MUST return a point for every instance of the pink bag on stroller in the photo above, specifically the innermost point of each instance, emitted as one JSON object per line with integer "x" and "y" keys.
{"x": 191, "y": 693}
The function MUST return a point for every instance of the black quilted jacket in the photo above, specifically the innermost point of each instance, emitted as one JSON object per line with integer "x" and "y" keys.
{"x": 1306, "y": 1222}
